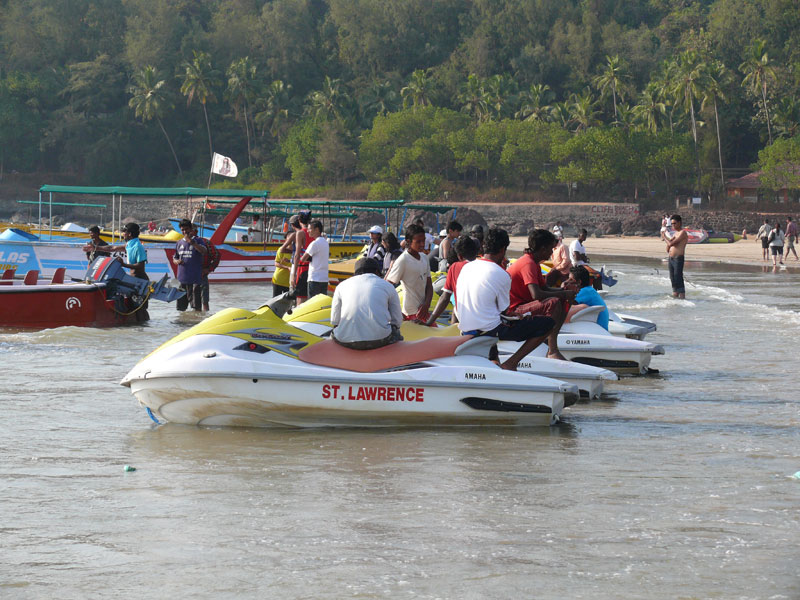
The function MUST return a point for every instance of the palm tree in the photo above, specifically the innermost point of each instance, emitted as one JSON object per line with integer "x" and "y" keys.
{"x": 534, "y": 103}
{"x": 689, "y": 82}
{"x": 419, "y": 89}
{"x": 275, "y": 113}
{"x": 611, "y": 78}
{"x": 650, "y": 109}
{"x": 199, "y": 80}
{"x": 715, "y": 77}
{"x": 380, "y": 99}
{"x": 787, "y": 116}
{"x": 501, "y": 92}
{"x": 149, "y": 100}
{"x": 330, "y": 102}
{"x": 560, "y": 113}
{"x": 241, "y": 91}
{"x": 758, "y": 73}
{"x": 474, "y": 98}
{"x": 626, "y": 116}
{"x": 582, "y": 111}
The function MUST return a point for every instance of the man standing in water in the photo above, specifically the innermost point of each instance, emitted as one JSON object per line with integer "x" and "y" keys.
{"x": 676, "y": 247}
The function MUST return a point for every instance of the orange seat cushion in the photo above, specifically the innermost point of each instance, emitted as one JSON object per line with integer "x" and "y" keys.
{"x": 328, "y": 353}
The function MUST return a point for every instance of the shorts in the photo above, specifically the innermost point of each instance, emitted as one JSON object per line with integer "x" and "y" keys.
{"x": 776, "y": 250}
{"x": 301, "y": 288}
{"x": 764, "y": 242}
{"x": 372, "y": 344}
{"x": 790, "y": 242}
{"x": 538, "y": 308}
{"x": 317, "y": 287}
{"x": 277, "y": 290}
{"x": 520, "y": 330}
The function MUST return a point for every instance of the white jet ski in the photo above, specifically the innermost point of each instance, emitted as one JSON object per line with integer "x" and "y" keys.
{"x": 629, "y": 326}
{"x": 314, "y": 316}
{"x": 583, "y": 340}
{"x": 251, "y": 369}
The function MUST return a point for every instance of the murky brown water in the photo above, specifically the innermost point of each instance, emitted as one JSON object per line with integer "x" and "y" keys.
{"x": 675, "y": 486}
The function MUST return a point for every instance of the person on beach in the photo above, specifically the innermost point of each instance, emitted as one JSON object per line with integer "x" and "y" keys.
{"x": 561, "y": 264}
{"x": 476, "y": 233}
{"x": 318, "y": 256}
{"x": 466, "y": 250}
{"x": 776, "y": 239}
{"x": 791, "y": 238}
{"x": 97, "y": 244}
{"x": 135, "y": 254}
{"x": 484, "y": 292}
{"x": 577, "y": 251}
{"x": 375, "y": 249}
{"x": 413, "y": 270}
{"x": 189, "y": 255}
{"x": 558, "y": 230}
{"x": 283, "y": 259}
{"x": 299, "y": 273}
{"x": 530, "y": 294}
{"x": 365, "y": 312}
{"x": 454, "y": 230}
{"x": 676, "y": 248}
{"x": 586, "y": 296}
{"x": 392, "y": 251}
{"x": 763, "y": 235}
{"x": 210, "y": 263}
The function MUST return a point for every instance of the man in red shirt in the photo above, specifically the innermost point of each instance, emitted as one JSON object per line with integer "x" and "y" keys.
{"x": 467, "y": 250}
{"x": 530, "y": 294}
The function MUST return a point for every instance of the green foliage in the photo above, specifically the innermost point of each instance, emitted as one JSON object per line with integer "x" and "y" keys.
{"x": 300, "y": 148}
{"x": 780, "y": 164}
{"x": 424, "y": 187}
{"x": 383, "y": 190}
{"x": 292, "y": 189}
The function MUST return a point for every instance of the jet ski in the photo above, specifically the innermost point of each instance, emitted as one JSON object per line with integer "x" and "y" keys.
{"x": 314, "y": 316}
{"x": 251, "y": 369}
{"x": 629, "y": 326}
{"x": 583, "y": 340}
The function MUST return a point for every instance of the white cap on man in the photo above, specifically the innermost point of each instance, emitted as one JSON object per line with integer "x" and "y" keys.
{"x": 443, "y": 233}
{"x": 376, "y": 229}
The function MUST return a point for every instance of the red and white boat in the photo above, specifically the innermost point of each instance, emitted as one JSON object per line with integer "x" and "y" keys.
{"x": 105, "y": 298}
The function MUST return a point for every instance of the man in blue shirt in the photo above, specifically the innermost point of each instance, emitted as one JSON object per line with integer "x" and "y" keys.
{"x": 136, "y": 255}
{"x": 189, "y": 253}
{"x": 587, "y": 295}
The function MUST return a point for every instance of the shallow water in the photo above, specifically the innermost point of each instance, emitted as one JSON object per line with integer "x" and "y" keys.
{"x": 674, "y": 485}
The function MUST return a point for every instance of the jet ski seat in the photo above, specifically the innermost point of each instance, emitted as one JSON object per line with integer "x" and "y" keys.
{"x": 587, "y": 314}
{"x": 328, "y": 353}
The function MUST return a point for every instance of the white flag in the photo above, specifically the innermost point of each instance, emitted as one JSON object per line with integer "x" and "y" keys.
{"x": 222, "y": 165}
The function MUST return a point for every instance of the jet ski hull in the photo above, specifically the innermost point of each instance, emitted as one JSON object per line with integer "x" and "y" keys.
{"x": 217, "y": 380}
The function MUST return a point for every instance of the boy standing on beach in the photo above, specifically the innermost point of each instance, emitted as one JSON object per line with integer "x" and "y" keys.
{"x": 676, "y": 247}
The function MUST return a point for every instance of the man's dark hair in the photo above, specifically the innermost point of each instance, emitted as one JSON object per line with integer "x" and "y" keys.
{"x": 133, "y": 229}
{"x": 540, "y": 238}
{"x": 581, "y": 275}
{"x": 413, "y": 230}
{"x": 788, "y": 218}
{"x": 584, "y": 232}
{"x": 185, "y": 224}
{"x": 496, "y": 241}
{"x": 305, "y": 216}
{"x": 454, "y": 226}
{"x": 466, "y": 247}
{"x": 676, "y": 218}
{"x": 94, "y": 229}
{"x": 420, "y": 222}
{"x": 367, "y": 265}
{"x": 316, "y": 224}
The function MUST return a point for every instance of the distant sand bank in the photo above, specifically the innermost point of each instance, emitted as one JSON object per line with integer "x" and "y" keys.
{"x": 747, "y": 252}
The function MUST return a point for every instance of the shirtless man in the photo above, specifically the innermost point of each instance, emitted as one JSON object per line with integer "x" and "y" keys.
{"x": 676, "y": 247}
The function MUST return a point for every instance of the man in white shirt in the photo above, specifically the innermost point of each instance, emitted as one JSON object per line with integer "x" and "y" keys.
{"x": 413, "y": 270}
{"x": 484, "y": 290}
{"x": 366, "y": 311}
{"x": 558, "y": 231}
{"x": 317, "y": 254}
{"x": 577, "y": 252}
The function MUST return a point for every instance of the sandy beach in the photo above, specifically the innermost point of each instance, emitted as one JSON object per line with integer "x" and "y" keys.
{"x": 747, "y": 252}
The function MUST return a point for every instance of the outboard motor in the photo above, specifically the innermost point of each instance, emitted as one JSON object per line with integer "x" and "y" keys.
{"x": 109, "y": 270}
